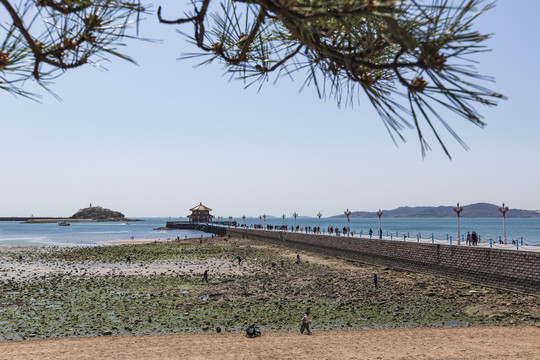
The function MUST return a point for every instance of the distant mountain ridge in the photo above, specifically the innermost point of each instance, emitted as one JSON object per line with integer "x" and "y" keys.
{"x": 478, "y": 210}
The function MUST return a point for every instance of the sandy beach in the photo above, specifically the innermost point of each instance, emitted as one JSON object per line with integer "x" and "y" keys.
{"x": 128, "y": 242}
{"x": 418, "y": 343}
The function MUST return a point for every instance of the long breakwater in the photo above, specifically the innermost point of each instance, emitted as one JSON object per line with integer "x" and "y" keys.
{"x": 507, "y": 269}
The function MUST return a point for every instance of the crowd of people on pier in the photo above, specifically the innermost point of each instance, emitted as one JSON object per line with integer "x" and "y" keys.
{"x": 472, "y": 238}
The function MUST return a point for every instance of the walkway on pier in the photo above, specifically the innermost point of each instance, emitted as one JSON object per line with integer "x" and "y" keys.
{"x": 519, "y": 245}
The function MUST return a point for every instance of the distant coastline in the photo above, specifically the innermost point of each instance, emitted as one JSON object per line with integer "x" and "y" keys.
{"x": 478, "y": 210}
{"x": 71, "y": 220}
{"x": 45, "y": 220}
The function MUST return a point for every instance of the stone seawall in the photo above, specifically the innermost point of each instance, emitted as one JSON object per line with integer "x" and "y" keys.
{"x": 507, "y": 269}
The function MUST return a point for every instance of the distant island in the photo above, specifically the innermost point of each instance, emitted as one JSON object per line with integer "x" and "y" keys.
{"x": 479, "y": 210}
{"x": 99, "y": 213}
{"x": 89, "y": 214}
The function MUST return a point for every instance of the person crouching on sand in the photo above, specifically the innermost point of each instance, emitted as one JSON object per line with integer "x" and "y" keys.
{"x": 305, "y": 322}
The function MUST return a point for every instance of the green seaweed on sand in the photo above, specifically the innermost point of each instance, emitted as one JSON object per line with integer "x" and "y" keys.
{"x": 268, "y": 289}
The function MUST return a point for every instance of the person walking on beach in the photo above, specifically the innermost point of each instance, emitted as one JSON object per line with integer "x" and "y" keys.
{"x": 370, "y": 232}
{"x": 468, "y": 238}
{"x": 375, "y": 281}
{"x": 205, "y": 276}
{"x": 305, "y": 322}
{"x": 239, "y": 259}
{"x": 128, "y": 260}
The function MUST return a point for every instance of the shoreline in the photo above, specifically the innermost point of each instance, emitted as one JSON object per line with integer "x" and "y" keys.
{"x": 139, "y": 241}
{"x": 70, "y": 220}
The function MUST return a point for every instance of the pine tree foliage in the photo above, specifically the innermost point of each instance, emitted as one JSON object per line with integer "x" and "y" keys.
{"x": 411, "y": 58}
{"x": 40, "y": 39}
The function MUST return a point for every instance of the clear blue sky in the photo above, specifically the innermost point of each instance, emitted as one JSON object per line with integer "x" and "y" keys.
{"x": 157, "y": 139}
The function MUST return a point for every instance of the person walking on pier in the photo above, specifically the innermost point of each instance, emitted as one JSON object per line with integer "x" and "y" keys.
{"x": 468, "y": 238}
{"x": 474, "y": 238}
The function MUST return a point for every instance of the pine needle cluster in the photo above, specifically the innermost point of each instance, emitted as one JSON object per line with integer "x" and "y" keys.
{"x": 413, "y": 60}
{"x": 410, "y": 58}
{"x": 40, "y": 39}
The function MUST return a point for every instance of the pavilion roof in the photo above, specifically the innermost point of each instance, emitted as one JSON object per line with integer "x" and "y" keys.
{"x": 200, "y": 207}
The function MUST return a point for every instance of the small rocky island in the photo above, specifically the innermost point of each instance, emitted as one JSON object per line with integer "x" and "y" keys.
{"x": 99, "y": 214}
{"x": 89, "y": 214}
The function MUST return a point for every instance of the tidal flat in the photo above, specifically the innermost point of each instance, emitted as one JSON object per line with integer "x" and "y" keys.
{"x": 49, "y": 292}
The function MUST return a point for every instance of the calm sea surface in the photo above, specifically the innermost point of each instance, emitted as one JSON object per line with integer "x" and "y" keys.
{"x": 18, "y": 234}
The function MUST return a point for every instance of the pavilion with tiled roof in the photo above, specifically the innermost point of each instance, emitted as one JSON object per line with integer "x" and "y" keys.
{"x": 200, "y": 214}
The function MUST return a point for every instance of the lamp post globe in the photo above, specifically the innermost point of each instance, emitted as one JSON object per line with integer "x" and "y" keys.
{"x": 348, "y": 214}
{"x": 458, "y": 209}
{"x": 504, "y": 209}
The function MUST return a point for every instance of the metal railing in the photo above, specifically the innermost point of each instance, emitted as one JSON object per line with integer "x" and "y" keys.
{"x": 516, "y": 244}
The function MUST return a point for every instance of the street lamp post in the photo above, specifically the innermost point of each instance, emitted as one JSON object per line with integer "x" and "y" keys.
{"x": 348, "y": 214}
{"x": 380, "y": 228}
{"x": 283, "y": 216}
{"x": 243, "y": 220}
{"x": 504, "y": 209}
{"x": 264, "y": 216}
{"x": 319, "y": 216}
{"x": 295, "y": 215}
{"x": 260, "y": 218}
{"x": 230, "y": 220}
{"x": 458, "y": 209}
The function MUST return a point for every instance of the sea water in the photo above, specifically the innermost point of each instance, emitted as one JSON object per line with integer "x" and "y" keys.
{"x": 13, "y": 233}
{"x": 19, "y": 234}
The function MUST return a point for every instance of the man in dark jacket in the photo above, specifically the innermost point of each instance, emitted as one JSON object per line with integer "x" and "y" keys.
{"x": 305, "y": 322}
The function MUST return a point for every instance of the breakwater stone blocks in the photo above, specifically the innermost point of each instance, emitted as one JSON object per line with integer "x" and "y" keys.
{"x": 507, "y": 269}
